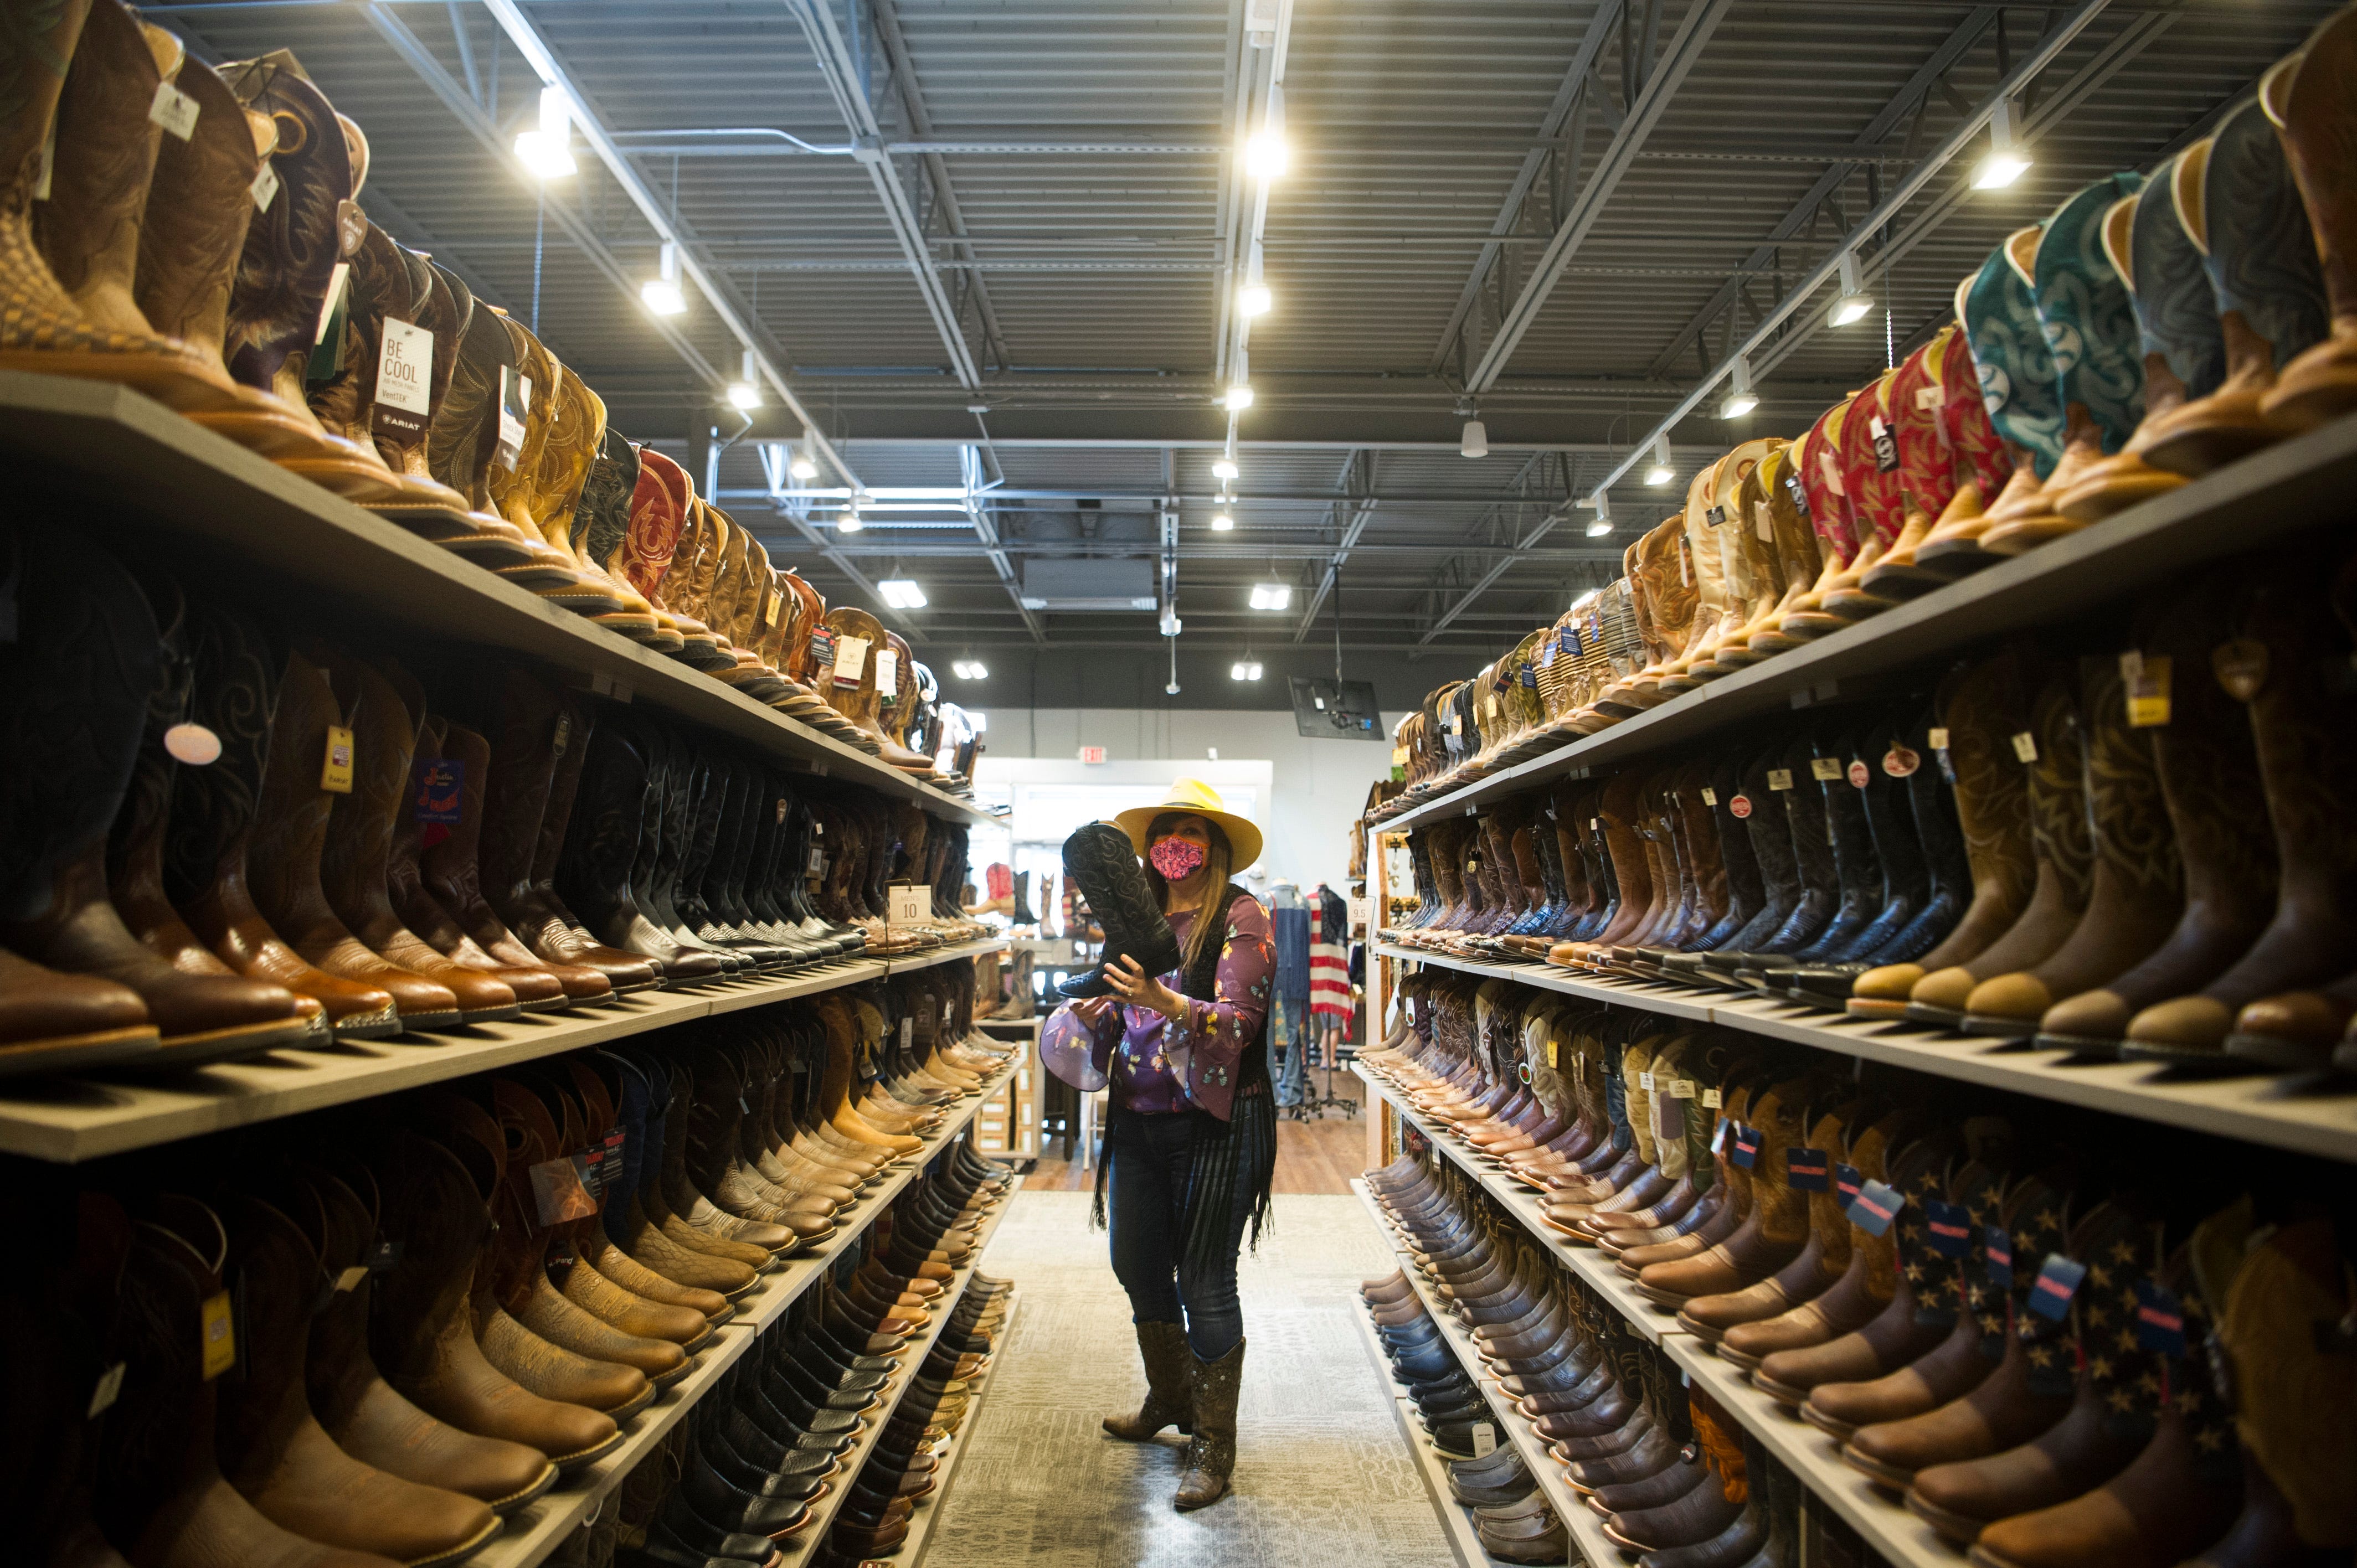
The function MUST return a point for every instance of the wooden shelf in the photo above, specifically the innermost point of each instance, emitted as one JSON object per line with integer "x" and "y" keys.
{"x": 69, "y": 1120}
{"x": 132, "y": 469}
{"x": 537, "y": 1530}
{"x": 1587, "y": 1537}
{"x": 2293, "y": 485}
{"x": 2309, "y": 1113}
{"x": 930, "y": 1507}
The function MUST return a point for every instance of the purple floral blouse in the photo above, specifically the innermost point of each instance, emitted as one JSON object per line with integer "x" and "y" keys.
{"x": 1158, "y": 1065}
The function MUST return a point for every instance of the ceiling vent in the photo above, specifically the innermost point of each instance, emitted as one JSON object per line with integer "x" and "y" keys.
{"x": 1050, "y": 584}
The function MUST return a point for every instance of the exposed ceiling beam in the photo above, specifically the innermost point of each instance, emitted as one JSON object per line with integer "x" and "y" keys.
{"x": 2130, "y": 41}
{"x": 1662, "y": 83}
{"x": 1351, "y": 529}
{"x": 2041, "y": 55}
{"x": 850, "y": 92}
{"x": 977, "y": 511}
{"x": 1952, "y": 49}
{"x": 1518, "y": 554}
{"x": 1510, "y": 212}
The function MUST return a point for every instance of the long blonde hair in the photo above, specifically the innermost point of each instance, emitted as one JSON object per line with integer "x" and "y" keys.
{"x": 1217, "y": 860}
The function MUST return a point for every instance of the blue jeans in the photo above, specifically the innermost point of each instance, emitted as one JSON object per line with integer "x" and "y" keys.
{"x": 1145, "y": 1191}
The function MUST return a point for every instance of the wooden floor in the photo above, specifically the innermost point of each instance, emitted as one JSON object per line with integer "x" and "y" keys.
{"x": 1316, "y": 1156}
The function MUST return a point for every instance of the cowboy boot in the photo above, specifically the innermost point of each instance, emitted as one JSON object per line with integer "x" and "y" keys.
{"x": 1210, "y": 1456}
{"x": 1101, "y": 860}
{"x": 2307, "y": 97}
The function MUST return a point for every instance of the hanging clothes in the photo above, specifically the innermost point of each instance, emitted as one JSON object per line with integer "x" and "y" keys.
{"x": 1329, "y": 979}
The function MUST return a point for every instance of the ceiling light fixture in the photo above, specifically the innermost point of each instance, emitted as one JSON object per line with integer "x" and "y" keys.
{"x": 1272, "y": 596}
{"x": 981, "y": 722}
{"x": 1222, "y": 470}
{"x": 1244, "y": 670}
{"x": 1602, "y": 522}
{"x": 968, "y": 669}
{"x": 1254, "y": 299}
{"x": 1222, "y": 523}
{"x": 1474, "y": 441}
{"x": 804, "y": 466}
{"x": 745, "y": 392}
{"x": 1266, "y": 157}
{"x": 1739, "y": 399}
{"x": 901, "y": 594}
{"x": 548, "y": 152}
{"x": 2006, "y": 162}
{"x": 1660, "y": 473}
{"x": 1854, "y": 302}
{"x": 661, "y": 293}
{"x": 1240, "y": 397}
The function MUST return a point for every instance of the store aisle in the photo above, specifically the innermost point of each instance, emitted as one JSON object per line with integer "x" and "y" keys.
{"x": 1323, "y": 1478}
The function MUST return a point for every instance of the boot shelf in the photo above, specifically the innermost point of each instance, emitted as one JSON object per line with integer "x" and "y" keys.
{"x": 930, "y": 1507}
{"x": 1588, "y": 1541}
{"x": 68, "y": 1119}
{"x": 1594, "y": 1270}
{"x": 539, "y": 1528}
{"x": 140, "y": 475}
{"x": 1808, "y": 1453}
{"x": 2292, "y": 485}
{"x": 2309, "y": 1113}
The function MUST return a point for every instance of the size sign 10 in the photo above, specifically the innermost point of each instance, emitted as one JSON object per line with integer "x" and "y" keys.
{"x": 910, "y": 903}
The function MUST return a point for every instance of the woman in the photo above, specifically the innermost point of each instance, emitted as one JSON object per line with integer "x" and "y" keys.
{"x": 1191, "y": 1137}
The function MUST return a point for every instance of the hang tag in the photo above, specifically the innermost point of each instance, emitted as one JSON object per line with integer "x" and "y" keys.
{"x": 1399, "y": 756}
{"x": 327, "y": 360}
{"x": 1885, "y": 446}
{"x": 437, "y": 793}
{"x": 558, "y": 1192}
{"x": 49, "y": 164}
{"x": 1746, "y": 1149}
{"x": 1709, "y": 796}
{"x": 2160, "y": 1319}
{"x": 217, "y": 1333}
{"x": 1807, "y": 1170}
{"x": 1714, "y": 516}
{"x": 265, "y": 187}
{"x": 1712, "y": 1100}
{"x": 850, "y": 659}
{"x": 1763, "y": 522}
{"x": 907, "y": 1032}
{"x": 887, "y": 674}
{"x": 1485, "y": 1440}
{"x": 1901, "y": 762}
{"x": 1780, "y": 778}
{"x": 404, "y": 379}
{"x": 1645, "y": 1082}
{"x": 1552, "y": 1053}
{"x": 515, "y": 397}
{"x": 2025, "y": 748}
{"x": 1937, "y": 738}
{"x": 1860, "y": 776}
{"x": 817, "y": 863}
{"x": 1948, "y": 1228}
{"x": 1825, "y": 769}
{"x": 192, "y": 744}
{"x": 1682, "y": 1089}
{"x": 1874, "y": 1207}
{"x": 2148, "y": 690}
{"x": 770, "y": 606}
{"x": 1930, "y": 397}
{"x": 1489, "y": 704}
{"x": 821, "y": 648}
{"x": 384, "y": 1255}
{"x": 350, "y": 1279}
{"x": 336, "y": 775}
{"x": 1847, "y": 1181}
{"x": 2057, "y": 1283}
{"x": 174, "y": 110}
{"x": 1739, "y": 807}
{"x": 1799, "y": 495}
{"x": 908, "y": 903}
{"x": 108, "y": 1389}
{"x": 1530, "y": 678}
{"x": 1686, "y": 565}
{"x": 1997, "y": 1249}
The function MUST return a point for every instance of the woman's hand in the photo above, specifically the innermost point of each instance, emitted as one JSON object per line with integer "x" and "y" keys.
{"x": 1133, "y": 985}
{"x": 1093, "y": 1012}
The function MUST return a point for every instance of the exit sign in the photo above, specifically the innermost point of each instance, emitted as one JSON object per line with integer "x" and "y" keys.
{"x": 1092, "y": 754}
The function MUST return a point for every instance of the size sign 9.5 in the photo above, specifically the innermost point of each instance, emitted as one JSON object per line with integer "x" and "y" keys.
{"x": 909, "y": 903}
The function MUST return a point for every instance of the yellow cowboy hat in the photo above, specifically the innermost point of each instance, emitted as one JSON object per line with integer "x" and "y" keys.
{"x": 1197, "y": 799}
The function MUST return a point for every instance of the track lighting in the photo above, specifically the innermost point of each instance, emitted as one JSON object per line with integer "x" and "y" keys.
{"x": 1660, "y": 473}
{"x": 1272, "y": 596}
{"x": 1254, "y": 299}
{"x": 1222, "y": 523}
{"x": 745, "y": 392}
{"x": 1240, "y": 397}
{"x": 1266, "y": 156}
{"x": 1222, "y": 469}
{"x": 548, "y": 152}
{"x": 661, "y": 293}
{"x": 2006, "y": 162}
{"x": 1601, "y": 524}
{"x": 1854, "y": 302}
{"x": 1739, "y": 400}
{"x": 804, "y": 466}
{"x": 1244, "y": 670}
{"x": 968, "y": 669}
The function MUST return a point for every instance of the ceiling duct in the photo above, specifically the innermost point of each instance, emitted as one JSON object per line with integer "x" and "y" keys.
{"x": 1083, "y": 585}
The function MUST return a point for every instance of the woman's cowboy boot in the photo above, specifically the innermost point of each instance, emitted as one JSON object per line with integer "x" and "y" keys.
{"x": 2177, "y": 316}
{"x": 2084, "y": 301}
{"x": 2309, "y": 102}
{"x": 1100, "y": 861}
{"x": 2241, "y": 207}
{"x": 1211, "y": 1456}
{"x": 1170, "y": 1387}
{"x": 70, "y": 244}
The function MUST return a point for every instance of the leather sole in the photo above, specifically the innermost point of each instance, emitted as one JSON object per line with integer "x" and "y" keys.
{"x": 366, "y": 1026}
{"x": 76, "y": 1053}
{"x": 567, "y": 1463}
{"x": 514, "y": 1500}
{"x": 413, "y": 1023}
{"x": 460, "y": 1553}
{"x": 225, "y": 1045}
{"x": 1958, "y": 1528}
{"x": 1875, "y": 1470}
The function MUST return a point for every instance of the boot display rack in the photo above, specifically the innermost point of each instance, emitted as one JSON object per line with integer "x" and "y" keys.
{"x": 2273, "y": 492}
{"x": 912, "y": 1551}
{"x": 1430, "y": 1462}
{"x": 134, "y": 468}
{"x": 1889, "y": 1528}
{"x": 2305, "y": 1117}
{"x": 539, "y": 1528}
{"x": 72, "y": 1120}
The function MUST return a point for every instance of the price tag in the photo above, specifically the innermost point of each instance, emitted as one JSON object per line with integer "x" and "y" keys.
{"x": 108, "y": 1390}
{"x": 1937, "y": 738}
{"x": 1712, "y": 1100}
{"x": 1825, "y": 769}
{"x": 1714, "y": 516}
{"x": 907, "y": 1032}
{"x": 515, "y": 396}
{"x": 821, "y": 648}
{"x": 1485, "y": 1440}
{"x": 192, "y": 744}
{"x": 2024, "y": 746}
{"x": 1874, "y": 1207}
{"x": 175, "y": 111}
{"x": 1848, "y": 1180}
{"x": 1709, "y": 796}
{"x": 909, "y": 902}
{"x": 1399, "y": 756}
{"x": 217, "y": 1333}
{"x": 350, "y": 1279}
{"x": 439, "y": 790}
{"x": 1807, "y": 1170}
{"x": 1552, "y": 1053}
{"x": 1997, "y": 1250}
{"x": 1682, "y": 1089}
{"x": 336, "y": 775}
{"x": 887, "y": 674}
{"x": 1739, "y": 807}
{"x": 1686, "y": 565}
{"x": 1948, "y": 1228}
{"x": 1901, "y": 761}
{"x": 1885, "y": 445}
{"x": 1745, "y": 1151}
{"x": 1645, "y": 1082}
{"x": 2057, "y": 1283}
{"x": 1780, "y": 778}
{"x": 2159, "y": 1320}
{"x": 1763, "y": 522}
{"x": 264, "y": 186}
{"x": 850, "y": 659}
{"x": 404, "y": 379}
{"x": 2147, "y": 689}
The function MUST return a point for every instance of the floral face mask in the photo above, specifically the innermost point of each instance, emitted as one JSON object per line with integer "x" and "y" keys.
{"x": 1177, "y": 859}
